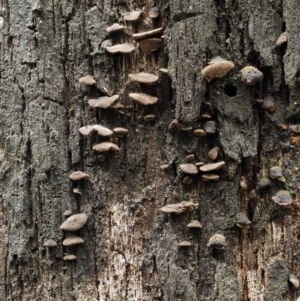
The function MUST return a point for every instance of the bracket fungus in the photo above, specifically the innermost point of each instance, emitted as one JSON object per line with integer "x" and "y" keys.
{"x": 212, "y": 166}
{"x": 103, "y": 102}
{"x": 210, "y": 127}
{"x": 150, "y": 45}
{"x": 143, "y": 78}
{"x": 282, "y": 198}
{"x": 217, "y": 241}
{"x": 74, "y": 222}
{"x": 143, "y": 99}
{"x": 115, "y": 28}
{"x": 217, "y": 68}
{"x": 263, "y": 184}
{"x": 70, "y": 257}
{"x": 77, "y": 191}
{"x": 146, "y": 34}
{"x": 294, "y": 280}
{"x": 199, "y": 132}
{"x": 67, "y": 213}
{"x": 87, "y": 80}
{"x": 174, "y": 124}
{"x": 50, "y": 243}
{"x": 194, "y": 224}
{"x": 124, "y": 48}
{"x": 185, "y": 243}
{"x": 281, "y": 40}
{"x": 106, "y": 43}
{"x": 269, "y": 104}
{"x": 178, "y": 208}
{"x": 164, "y": 167}
{"x": 72, "y": 241}
{"x": 276, "y": 173}
{"x": 101, "y": 130}
{"x": 105, "y": 147}
{"x": 190, "y": 169}
{"x": 251, "y": 75}
{"x": 149, "y": 117}
{"x": 210, "y": 177}
{"x": 134, "y": 16}
{"x": 154, "y": 12}
{"x": 243, "y": 221}
{"x": 120, "y": 132}
{"x": 78, "y": 175}
{"x": 213, "y": 153}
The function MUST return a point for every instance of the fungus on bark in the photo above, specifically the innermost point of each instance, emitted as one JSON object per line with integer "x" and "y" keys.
{"x": 190, "y": 169}
{"x": 281, "y": 40}
{"x": 77, "y": 191}
{"x": 185, "y": 243}
{"x": 149, "y": 117}
{"x": 212, "y": 166}
{"x": 282, "y": 198}
{"x": 217, "y": 68}
{"x": 146, "y": 34}
{"x": 101, "y": 130}
{"x": 105, "y": 147}
{"x": 150, "y": 45}
{"x": 143, "y": 78}
{"x": 106, "y": 43}
{"x": 294, "y": 280}
{"x": 154, "y": 12}
{"x": 87, "y": 80}
{"x": 174, "y": 124}
{"x": 269, "y": 104}
{"x": 164, "y": 167}
{"x": 103, "y": 102}
{"x": 213, "y": 153}
{"x": 120, "y": 132}
{"x": 134, "y": 16}
{"x": 194, "y": 224}
{"x": 70, "y": 257}
{"x": 72, "y": 241}
{"x": 177, "y": 208}
{"x": 143, "y": 99}
{"x": 74, "y": 222}
{"x": 115, "y": 28}
{"x": 50, "y": 243}
{"x": 251, "y": 75}
{"x": 78, "y": 175}
{"x": 217, "y": 241}
{"x": 124, "y": 48}
{"x": 67, "y": 213}
{"x": 276, "y": 173}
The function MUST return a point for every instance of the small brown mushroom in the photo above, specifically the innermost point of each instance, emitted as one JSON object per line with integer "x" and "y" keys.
{"x": 217, "y": 241}
{"x": 105, "y": 147}
{"x": 276, "y": 173}
{"x": 269, "y": 104}
{"x": 199, "y": 132}
{"x": 212, "y": 166}
{"x": 143, "y": 99}
{"x": 134, "y": 16}
{"x": 146, "y": 34}
{"x": 243, "y": 221}
{"x": 50, "y": 243}
{"x": 213, "y": 153}
{"x": 294, "y": 280}
{"x": 209, "y": 177}
{"x": 78, "y": 175}
{"x": 190, "y": 169}
{"x": 101, "y": 130}
{"x": 154, "y": 12}
{"x": 115, "y": 28}
{"x": 251, "y": 75}
{"x": 87, "y": 80}
{"x": 281, "y": 40}
{"x": 150, "y": 45}
{"x": 185, "y": 243}
{"x": 67, "y": 213}
{"x": 70, "y": 257}
{"x": 198, "y": 164}
{"x": 164, "y": 167}
{"x": 120, "y": 132}
{"x": 217, "y": 68}
{"x": 186, "y": 128}
{"x": 210, "y": 127}
{"x": 144, "y": 78}
{"x": 149, "y": 117}
{"x": 74, "y": 222}
{"x": 194, "y": 224}
{"x": 282, "y": 198}
{"x": 174, "y": 124}
{"x": 104, "y": 102}
{"x": 206, "y": 116}
{"x": 72, "y": 241}
{"x": 124, "y": 48}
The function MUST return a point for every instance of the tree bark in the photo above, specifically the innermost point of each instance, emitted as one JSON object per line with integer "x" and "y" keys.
{"x": 131, "y": 249}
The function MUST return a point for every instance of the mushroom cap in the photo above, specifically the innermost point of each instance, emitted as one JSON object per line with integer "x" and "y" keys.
{"x": 185, "y": 243}
{"x": 164, "y": 166}
{"x": 149, "y": 117}
{"x": 194, "y": 224}
{"x": 173, "y": 124}
{"x": 70, "y": 257}
{"x": 115, "y": 28}
{"x": 213, "y": 153}
{"x": 105, "y": 147}
{"x": 198, "y": 164}
{"x": 74, "y": 222}
{"x": 77, "y": 191}
{"x": 206, "y": 116}
{"x": 212, "y": 166}
{"x": 106, "y": 43}
{"x": 177, "y": 208}
{"x": 263, "y": 184}
{"x": 217, "y": 241}
{"x": 295, "y": 128}
{"x": 199, "y": 132}
{"x": 190, "y": 157}
{"x": 190, "y": 169}
{"x": 120, "y": 132}
{"x": 294, "y": 280}
{"x": 144, "y": 78}
{"x": 101, "y": 130}
{"x": 281, "y": 40}
{"x": 146, "y": 34}
{"x": 154, "y": 12}
{"x": 282, "y": 198}
{"x": 103, "y": 102}
{"x": 217, "y": 68}
{"x": 134, "y": 16}
{"x": 67, "y": 213}
{"x": 186, "y": 128}
{"x": 143, "y": 99}
{"x": 164, "y": 70}
{"x": 121, "y": 48}
{"x": 87, "y": 80}
{"x": 210, "y": 127}
{"x": 269, "y": 104}
{"x": 276, "y": 172}
{"x": 251, "y": 75}
{"x": 73, "y": 240}
{"x": 209, "y": 177}
{"x": 150, "y": 45}
{"x": 217, "y": 59}
{"x": 243, "y": 221}
{"x": 78, "y": 175}
{"x": 50, "y": 243}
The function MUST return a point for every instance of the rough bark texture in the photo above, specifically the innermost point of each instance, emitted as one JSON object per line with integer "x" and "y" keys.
{"x": 131, "y": 249}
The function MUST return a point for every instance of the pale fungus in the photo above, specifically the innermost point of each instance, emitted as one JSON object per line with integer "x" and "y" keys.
{"x": 143, "y": 99}
{"x": 263, "y": 184}
{"x": 217, "y": 241}
{"x": 134, "y": 16}
{"x": 243, "y": 221}
{"x": 149, "y": 117}
{"x": 67, "y": 213}
{"x": 199, "y": 132}
{"x": 177, "y": 208}
{"x": 213, "y": 153}
{"x": 146, "y": 34}
{"x": 74, "y": 222}
{"x": 209, "y": 177}
{"x": 185, "y": 243}
{"x": 70, "y": 257}
{"x": 72, "y": 241}
{"x": 206, "y": 116}
{"x": 103, "y": 102}
{"x": 124, "y": 48}
{"x": 144, "y": 78}
{"x": 120, "y": 132}
{"x": 154, "y": 12}
{"x": 105, "y": 147}
{"x": 282, "y": 198}
{"x": 190, "y": 169}
{"x": 212, "y": 166}
{"x": 251, "y": 75}
{"x": 276, "y": 173}
{"x": 269, "y": 104}
{"x": 87, "y": 80}
{"x": 78, "y": 175}
{"x": 164, "y": 167}
{"x": 281, "y": 40}
{"x": 150, "y": 45}
{"x": 294, "y": 280}
{"x": 210, "y": 127}
{"x": 217, "y": 68}
{"x": 194, "y": 224}
{"x": 77, "y": 191}
{"x": 174, "y": 124}
{"x": 106, "y": 43}
{"x": 115, "y": 28}
{"x": 50, "y": 243}
{"x": 164, "y": 70}
{"x": 101, "y": 130}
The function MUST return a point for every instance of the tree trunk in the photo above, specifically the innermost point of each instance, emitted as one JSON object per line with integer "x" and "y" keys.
{"x": 131, "y": 249}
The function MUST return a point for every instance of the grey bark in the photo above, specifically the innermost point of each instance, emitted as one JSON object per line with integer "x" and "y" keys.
{"x": 131, "y": 249}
